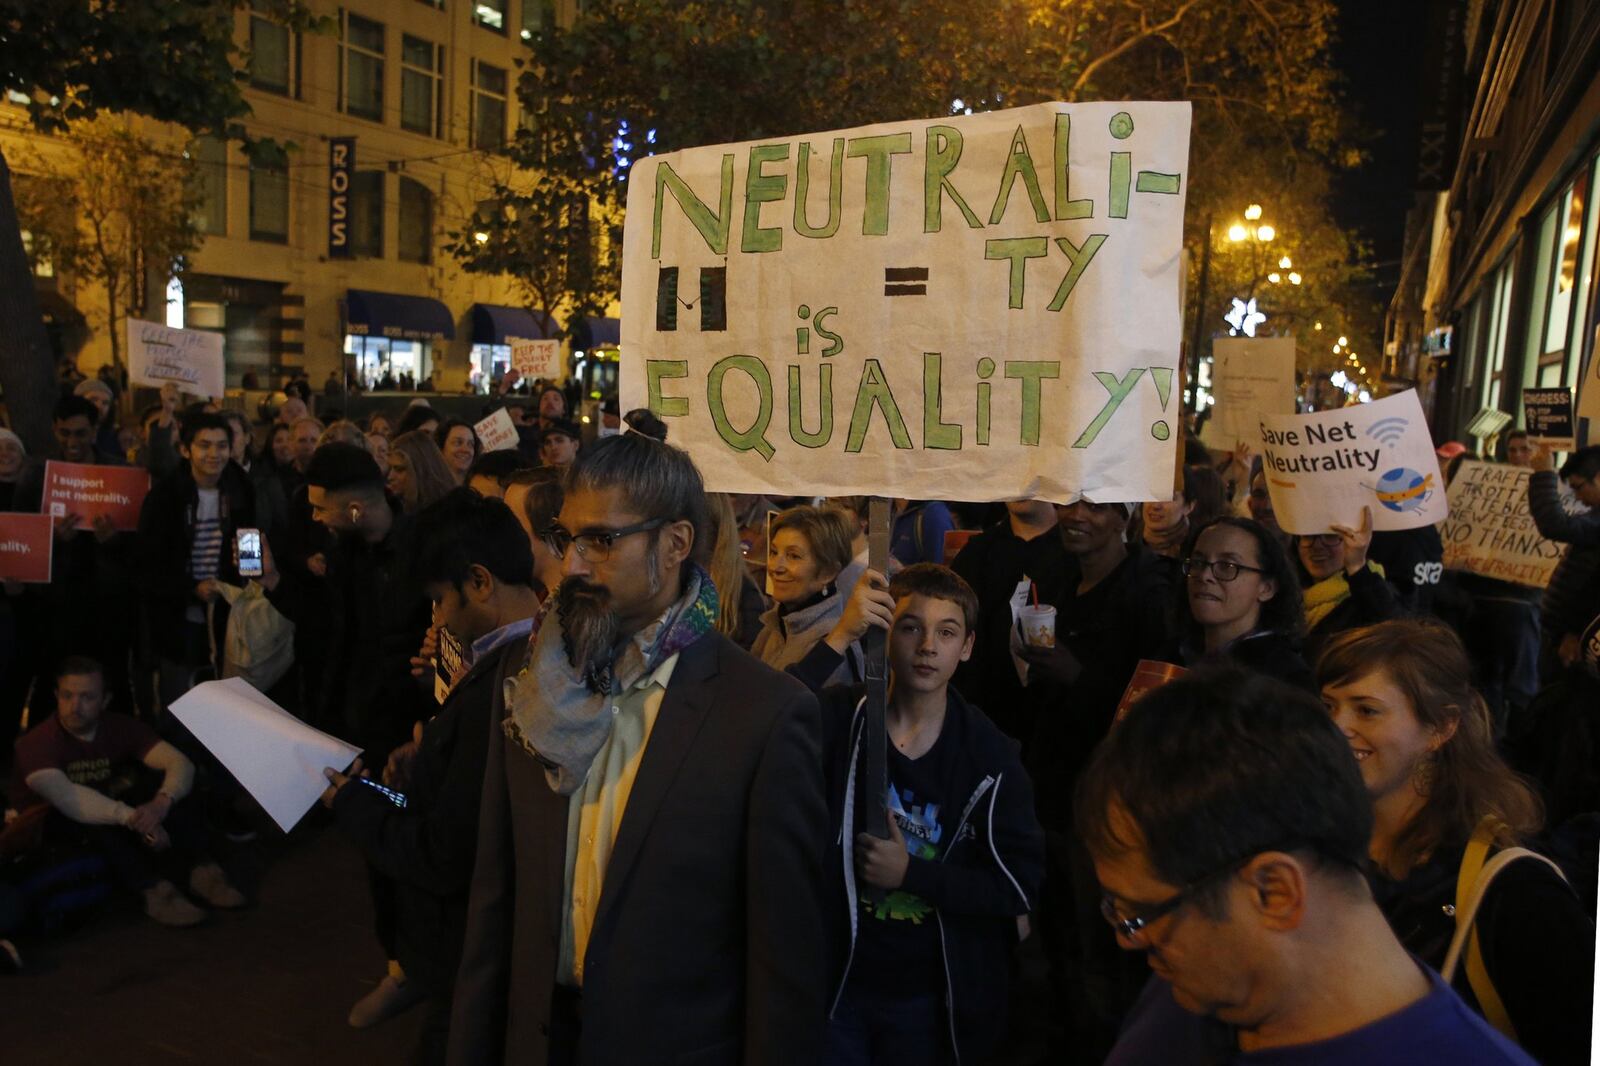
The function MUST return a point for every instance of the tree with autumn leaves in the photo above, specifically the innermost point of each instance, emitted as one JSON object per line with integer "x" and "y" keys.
{"x": 637, "y": 76}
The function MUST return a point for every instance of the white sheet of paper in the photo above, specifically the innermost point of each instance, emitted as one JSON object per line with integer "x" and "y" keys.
{"x": 536, "y": 358}
{"x": 190, "y": 358}
{"x": 275, "y": 756}
{"x": 497, "y": 432}
{"x": 1250, "y": 377}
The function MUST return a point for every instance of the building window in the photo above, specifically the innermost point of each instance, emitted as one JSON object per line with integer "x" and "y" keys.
{"x": 1582, "y": 314}
{"x": 211, "y": 182}
{"x": 488, "y": 106}
{"x": 416, "y": 221}
{"x": 366, "y": 214}
{"x": 363, "y": 68}
{"x": 269, "y": 204}
{"x": 421, "y": 92}
{"x": 1494, "y": 358}
{"x": 271, "y": 55}
{"x": 538, "y": 16}
{"x": 490, "y": 14}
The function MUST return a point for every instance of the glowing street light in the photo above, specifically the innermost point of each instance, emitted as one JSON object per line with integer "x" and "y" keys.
{"x": 1317, "y": 327}
{"x": 1344, "y": 342}
{"x": 1252, "y": 212}
{"x": 1274, "y": 277}
{"x": 481, "y": 237}
{"x": 1285, "y": 263}
{"x": 1265, "y": 233}
{"x": 1237, "y": 233}
{"x": 1294, "y": 277}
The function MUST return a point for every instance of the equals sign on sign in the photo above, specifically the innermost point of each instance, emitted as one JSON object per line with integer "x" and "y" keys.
{"x": 905, "y": 281}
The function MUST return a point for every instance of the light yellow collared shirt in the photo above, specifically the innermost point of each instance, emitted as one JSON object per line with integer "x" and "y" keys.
{"x": 595, "y": 810}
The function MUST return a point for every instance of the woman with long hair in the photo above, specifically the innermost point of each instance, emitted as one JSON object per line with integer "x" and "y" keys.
{"x": 1240, "y": 601}
{"x": 458, "y": 443}
{"x": 1401, "y": 693}
{"x": 740, "y": 601}
{"x": 417, "y": 473}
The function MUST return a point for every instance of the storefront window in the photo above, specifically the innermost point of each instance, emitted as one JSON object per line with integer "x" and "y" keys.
{"x": 384, "y": 364}
{"x": 1539, "y": 307}
{"x": 1495, "y": 356}
{"x": 489, "y": 363}
{"x": 1581, "y": 314}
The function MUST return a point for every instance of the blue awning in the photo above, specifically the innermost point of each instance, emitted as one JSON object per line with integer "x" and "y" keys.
{"x": 497, "y": 324}
{"x": 387, "y": 314}
{"x": 589, "y": 333}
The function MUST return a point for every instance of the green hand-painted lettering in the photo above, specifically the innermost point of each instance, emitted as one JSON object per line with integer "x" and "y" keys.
{"x": 1155, "y": 181}
{"x": 1119, "y": 391}
{"x": 943, "y": 152}
{"x": 836, "y": 342}
{"x": 761, "y": 188}
{"x": 665, "y": 406}
{"x": 1066, "y": 207}
{"x": 1019, "y": 163}
{"x": 878, "y": 152}
{"x": 1018, "y": 250}
{"x": 982, "y": 434}
{"x": 1031, "y": 372}
{"x": 936, "y": 433}
{"x": 713, "y": 228}
{"x": 754, "y": 438}
{"x": 797, "y": 426}
{"x": 802, "y": 188}
{"x": 1077, "y": 262}
{"x": 874, "y": 392}
{"x": 1162, "y": 376}
{"x": 1121, "y": 175}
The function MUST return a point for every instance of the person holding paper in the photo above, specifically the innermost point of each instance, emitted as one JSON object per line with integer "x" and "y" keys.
{"x": 474, "y": 562}
{"x": 648, "y": 884}
{"x": 810, "y": 547}
{"x": 1569, "y": 599}
{"x": 1342, "y": 589}
{"x": 89, "y": 765}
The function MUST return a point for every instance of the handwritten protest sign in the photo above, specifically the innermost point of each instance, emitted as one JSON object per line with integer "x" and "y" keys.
{"x": 1490, "y": 531}
{"x": 497, "y": 432}
{"x": 1250, "y": 377}
{"x": 979, "y": 306}
{"x": 1323, "y": 468}
{"x": 26, "y": 547}
{"x": 536, "y": 359}
{"x": 91, "y": 491}
{"x": 191, "y": 358}
{"x": 1548, "y": 415}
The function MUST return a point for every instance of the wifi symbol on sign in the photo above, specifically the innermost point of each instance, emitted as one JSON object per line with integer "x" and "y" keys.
{"x": 1388, "y": 431}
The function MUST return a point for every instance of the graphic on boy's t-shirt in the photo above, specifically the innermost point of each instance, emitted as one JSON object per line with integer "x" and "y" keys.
{"x": 922, "y": 831}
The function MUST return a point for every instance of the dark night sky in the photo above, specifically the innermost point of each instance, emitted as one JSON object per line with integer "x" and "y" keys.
{"x": 1379, "y": 52}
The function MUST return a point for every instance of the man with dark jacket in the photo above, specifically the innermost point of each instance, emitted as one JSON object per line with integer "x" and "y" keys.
{"x": 1568, "y": 599}
{"x": 1023, "y": 546}
{"x": 922, "y": 953}
{"x": 377, "y": 612}
{"x": 185, "y": 550}
{"x": 648, "y": 882}
{"x": 475, "y": 564}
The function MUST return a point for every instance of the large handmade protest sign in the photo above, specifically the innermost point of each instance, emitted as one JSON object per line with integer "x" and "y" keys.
{"x": 90, "y": 491}
{"x": 191, "y": 358}
{"x": 975, "y": 307}
{"x": 1490, "y": 531}
{"x": 1323, "y": 468}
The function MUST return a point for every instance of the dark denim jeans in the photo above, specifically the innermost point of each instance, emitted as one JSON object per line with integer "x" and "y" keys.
{"x": 886, "y": 1028}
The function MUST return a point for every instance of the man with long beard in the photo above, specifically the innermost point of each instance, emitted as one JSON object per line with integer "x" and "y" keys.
{"x": 648, "y": 881}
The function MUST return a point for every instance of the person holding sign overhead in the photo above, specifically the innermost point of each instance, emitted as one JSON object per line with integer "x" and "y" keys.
{"x": 810, "y": 546}
{"x": 1342, "y": 589}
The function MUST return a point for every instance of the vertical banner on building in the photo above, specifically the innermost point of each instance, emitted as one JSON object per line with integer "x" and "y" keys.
{"x": 978, "y": 307}
{"x": 341, "y": 164}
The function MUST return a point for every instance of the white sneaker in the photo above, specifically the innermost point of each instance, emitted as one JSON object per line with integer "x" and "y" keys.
{"x": 212, "y": 885}
{"x": 394, "y": 995}
{"x": 166, "y": 905}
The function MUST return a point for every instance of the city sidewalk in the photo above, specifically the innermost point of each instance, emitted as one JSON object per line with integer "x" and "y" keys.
{"x": 268, "y": 985}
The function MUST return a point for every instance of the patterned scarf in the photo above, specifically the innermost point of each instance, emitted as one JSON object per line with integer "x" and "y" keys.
{"x": 561, "y": 715}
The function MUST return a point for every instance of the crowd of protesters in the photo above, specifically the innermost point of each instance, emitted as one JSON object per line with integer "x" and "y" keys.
{"x": 628, "y": 718}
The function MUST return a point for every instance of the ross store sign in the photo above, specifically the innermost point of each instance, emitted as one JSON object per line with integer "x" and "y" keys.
{"x": 341, "y": 164}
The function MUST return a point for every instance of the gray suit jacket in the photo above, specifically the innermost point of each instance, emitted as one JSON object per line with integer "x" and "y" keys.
{"x": 707, "y": 946}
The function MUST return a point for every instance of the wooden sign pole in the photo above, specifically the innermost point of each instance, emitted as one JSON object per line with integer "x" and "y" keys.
{"x": 875, "y": 772}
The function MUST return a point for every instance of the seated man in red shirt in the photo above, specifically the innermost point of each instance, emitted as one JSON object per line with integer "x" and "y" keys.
{"x": 84, "y": 762}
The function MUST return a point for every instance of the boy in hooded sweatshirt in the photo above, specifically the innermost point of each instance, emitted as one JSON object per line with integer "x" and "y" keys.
{"x": 922, "y": 922}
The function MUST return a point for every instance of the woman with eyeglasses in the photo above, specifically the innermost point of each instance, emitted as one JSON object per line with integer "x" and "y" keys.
{"x": 808, "y": 547}
{"x": 1240, "y": 602}
{"x": 1342, "y": 589}
{"x": 1401, "y": 693}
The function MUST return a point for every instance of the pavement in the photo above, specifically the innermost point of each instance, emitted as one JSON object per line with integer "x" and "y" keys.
{"x": 268, "y": 985}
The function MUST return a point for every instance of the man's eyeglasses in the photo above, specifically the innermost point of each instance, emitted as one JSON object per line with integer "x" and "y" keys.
{"x": 594, "y": 545}
{"x": 1224, "y": 570}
